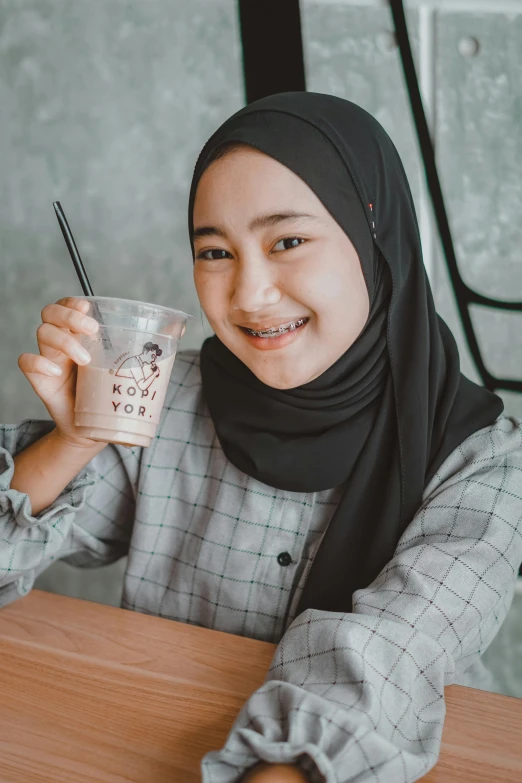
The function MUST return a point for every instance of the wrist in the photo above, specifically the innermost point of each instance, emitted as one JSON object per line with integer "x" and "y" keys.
{"x": 263, "y": 772}
{"x": 79, "y": 448}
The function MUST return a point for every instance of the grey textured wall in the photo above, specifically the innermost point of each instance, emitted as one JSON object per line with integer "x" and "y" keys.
{"x": 479, "y": 145}
{"x": 105, "y": 105}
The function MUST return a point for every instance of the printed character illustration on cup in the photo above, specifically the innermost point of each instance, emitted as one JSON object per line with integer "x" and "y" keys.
{"x": 142, "y": 367}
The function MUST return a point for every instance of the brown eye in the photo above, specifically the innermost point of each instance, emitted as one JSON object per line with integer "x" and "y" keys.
{"x": 215, "y": 255}
{"x": 288, "y": 243}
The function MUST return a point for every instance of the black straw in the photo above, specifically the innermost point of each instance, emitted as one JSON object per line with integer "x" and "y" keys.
{"x": 80, "y": 269}
{"x": 73, "y": 250}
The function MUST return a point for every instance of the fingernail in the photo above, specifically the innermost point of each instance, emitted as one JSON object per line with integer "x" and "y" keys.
{"x": 53, "y": 369}
{"x": 82, "y": 355}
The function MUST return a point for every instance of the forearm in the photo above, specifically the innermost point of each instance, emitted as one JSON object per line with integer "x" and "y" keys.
{"x": 44, "y": 469}
{"x": 347, "y": 692}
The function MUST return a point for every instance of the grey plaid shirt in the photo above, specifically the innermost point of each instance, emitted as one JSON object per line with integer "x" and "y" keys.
{"x": 349, "y": 697}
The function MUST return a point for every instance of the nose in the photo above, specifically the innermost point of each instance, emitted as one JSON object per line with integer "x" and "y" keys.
{"x": 255, "y": 285}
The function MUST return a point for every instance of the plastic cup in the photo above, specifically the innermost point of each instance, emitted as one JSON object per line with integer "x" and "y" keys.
{"x": 120, "y": 393}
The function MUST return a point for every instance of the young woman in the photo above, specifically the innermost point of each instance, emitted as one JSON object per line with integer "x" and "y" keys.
{"x": 323, "y": 476}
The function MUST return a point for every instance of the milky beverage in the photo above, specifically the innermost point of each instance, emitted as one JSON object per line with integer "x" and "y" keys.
{"x": 122, "y": 405}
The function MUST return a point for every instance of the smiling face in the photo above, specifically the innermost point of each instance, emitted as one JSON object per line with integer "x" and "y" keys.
{"x": 268, "y": 254}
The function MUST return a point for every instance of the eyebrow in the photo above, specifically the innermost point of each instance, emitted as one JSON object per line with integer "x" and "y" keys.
{"x": 262, "y": 221}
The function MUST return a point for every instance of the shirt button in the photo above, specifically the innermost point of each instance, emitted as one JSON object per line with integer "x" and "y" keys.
{"x": 284, "y": 558}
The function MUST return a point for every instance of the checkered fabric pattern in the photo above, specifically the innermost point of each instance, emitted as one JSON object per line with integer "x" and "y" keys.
{"x": 349, "y": 697}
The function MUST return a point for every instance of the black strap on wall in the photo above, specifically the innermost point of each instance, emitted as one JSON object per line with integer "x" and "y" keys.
{"x": 272, "y": 47}
{"x": 465, "y": 296}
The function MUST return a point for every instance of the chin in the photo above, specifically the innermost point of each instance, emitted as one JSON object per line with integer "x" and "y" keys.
{"x": 277, "y": 377}
{"x": 280, "y": 380}
{"x": 279, "y": 384}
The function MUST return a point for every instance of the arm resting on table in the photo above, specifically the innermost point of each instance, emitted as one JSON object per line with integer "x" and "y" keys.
{"x": 89, "y": 521}
{"x": 360, "y": 696}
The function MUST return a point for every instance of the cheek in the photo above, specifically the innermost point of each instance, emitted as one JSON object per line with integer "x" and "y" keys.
{"x": 337, "y": 293}
{"x": 209, "y": 289}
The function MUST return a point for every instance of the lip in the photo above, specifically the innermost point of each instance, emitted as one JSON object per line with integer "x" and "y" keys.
{"x": 273, "y": 343}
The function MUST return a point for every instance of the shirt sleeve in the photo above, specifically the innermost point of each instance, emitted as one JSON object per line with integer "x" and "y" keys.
{"x": 360, "y": 696}
{"x": 88, "y": 525}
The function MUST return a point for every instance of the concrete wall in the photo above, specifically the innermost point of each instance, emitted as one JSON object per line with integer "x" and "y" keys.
{"x": 104, "y": 107}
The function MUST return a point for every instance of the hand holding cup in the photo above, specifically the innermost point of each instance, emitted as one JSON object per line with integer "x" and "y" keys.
{"x": 97, "y": 373}
{"x": 52, "y": 372}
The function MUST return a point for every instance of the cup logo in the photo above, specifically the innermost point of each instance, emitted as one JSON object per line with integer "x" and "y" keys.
{"x": 143, "y": 370}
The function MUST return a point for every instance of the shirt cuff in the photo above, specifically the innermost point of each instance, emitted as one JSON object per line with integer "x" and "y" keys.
{"x": 18, "y": 504}
{"x": 258, "y": 736}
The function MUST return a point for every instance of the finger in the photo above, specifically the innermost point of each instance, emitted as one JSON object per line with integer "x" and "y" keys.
{"x": 56, "y": 344}
{"x": 68, "y": 318}
{"x": 32, "y": 364}
{"x": 74, "y": 303}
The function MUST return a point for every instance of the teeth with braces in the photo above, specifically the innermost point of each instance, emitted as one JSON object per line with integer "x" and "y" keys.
{"x": 280, "y": 329}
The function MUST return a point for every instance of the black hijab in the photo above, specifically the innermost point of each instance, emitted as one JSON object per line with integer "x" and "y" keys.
{"x": 383, "y": 418}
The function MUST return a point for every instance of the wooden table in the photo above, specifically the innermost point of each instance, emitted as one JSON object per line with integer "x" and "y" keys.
{"x": 94, "y": 693}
